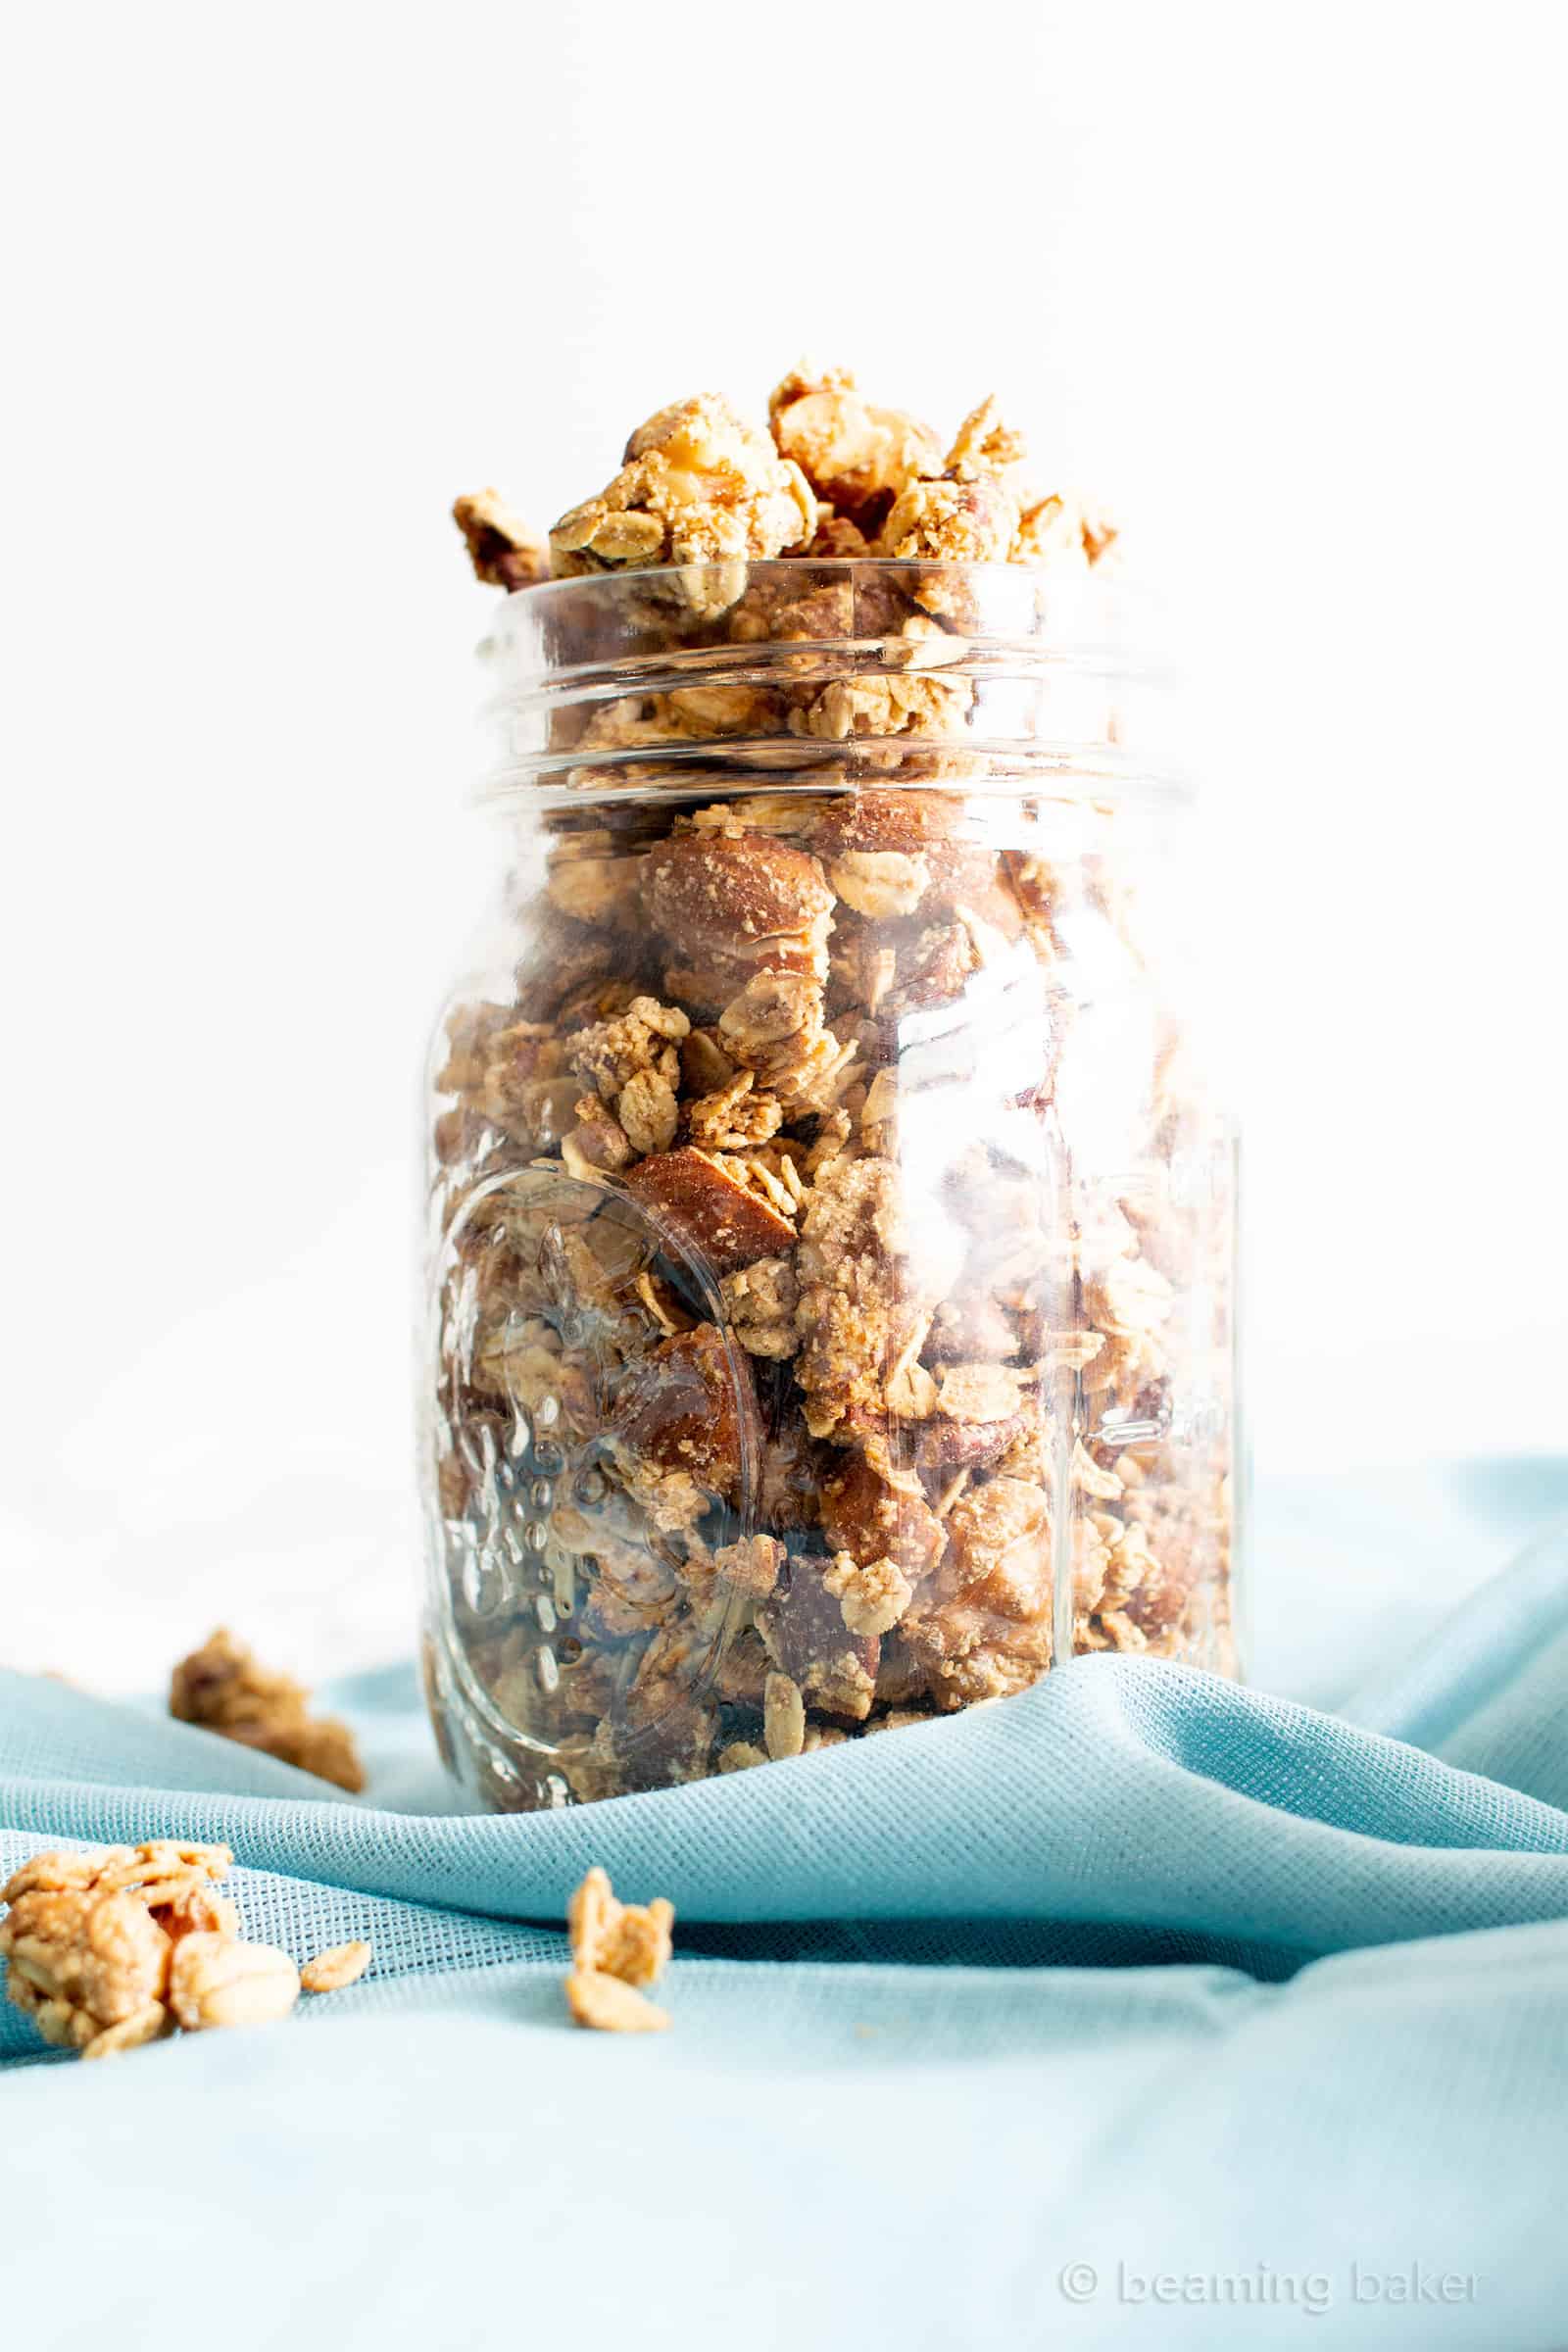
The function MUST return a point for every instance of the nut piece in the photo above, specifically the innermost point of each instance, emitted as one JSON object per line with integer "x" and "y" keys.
{"x": 803, "y": 1629}
{"x": 872, "y": 1518}
{"x": 709, "y": 1210}
{"x": 628, "y": 1942}
{"x": 504, "y": 550}
{"x": 330, "y": 1971}
{"x": 214, "y": 1980}
{"x": 598, "y": 1146}
{"x": 731, "y": 904}
{"x": 222, "y": 1687}
{"x": 856, "y": 458}
{"x": 682, "y": 1414}
{"x": 608, "y": 2006}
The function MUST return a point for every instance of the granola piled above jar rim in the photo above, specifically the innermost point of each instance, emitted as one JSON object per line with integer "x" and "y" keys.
{"x": 749, "y": 553}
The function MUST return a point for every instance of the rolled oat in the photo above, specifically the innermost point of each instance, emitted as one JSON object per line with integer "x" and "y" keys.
{"x": 330, "y": 1971}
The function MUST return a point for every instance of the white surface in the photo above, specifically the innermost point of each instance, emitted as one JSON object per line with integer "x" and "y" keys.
{"x": 1285, "y": 287}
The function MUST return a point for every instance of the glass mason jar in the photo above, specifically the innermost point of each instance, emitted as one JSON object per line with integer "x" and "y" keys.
{"x": 831, "y": 1239}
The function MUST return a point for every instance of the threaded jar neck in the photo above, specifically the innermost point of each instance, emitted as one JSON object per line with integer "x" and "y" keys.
{"x": 981, "y": 677}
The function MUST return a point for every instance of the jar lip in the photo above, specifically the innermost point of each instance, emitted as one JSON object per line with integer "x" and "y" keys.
{"x": 781, "y": 566}
{"x": 595, "y": 621}
{"x": 1091, "y": 599}
{"x": 607, "y": 680}
{"x": 1092, "y": 774}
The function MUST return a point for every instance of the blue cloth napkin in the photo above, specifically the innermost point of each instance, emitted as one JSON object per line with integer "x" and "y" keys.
{"x": 1137, "y": 2010}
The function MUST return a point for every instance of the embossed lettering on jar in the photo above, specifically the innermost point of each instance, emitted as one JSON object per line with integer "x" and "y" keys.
{"x": 831, "y": 1239}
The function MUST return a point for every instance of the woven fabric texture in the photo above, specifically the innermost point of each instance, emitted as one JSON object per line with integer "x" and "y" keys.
{"x": 1141, "y": 2009}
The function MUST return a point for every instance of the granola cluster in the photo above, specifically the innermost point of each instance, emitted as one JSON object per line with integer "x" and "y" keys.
{"x": 618, "y": 1951}
{"x": 107, "y": 1950}
{"x": 222, "y": 1687}
{"x": 831, "y": 1259}
{"x": 831, "y": 475}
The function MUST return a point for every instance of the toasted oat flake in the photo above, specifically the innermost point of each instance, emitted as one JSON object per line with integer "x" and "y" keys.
{"x": 607, "y": 2005}
{"x": 330, "y": 1971}
{"x": 783, "y": 1716}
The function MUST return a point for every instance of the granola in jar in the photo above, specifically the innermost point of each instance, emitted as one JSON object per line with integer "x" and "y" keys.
{"x": 831, "y": 1230}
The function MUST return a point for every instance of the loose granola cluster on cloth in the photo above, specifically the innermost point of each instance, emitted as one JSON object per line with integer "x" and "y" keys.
{"x": 107, "y": 1950}
{"x": 222, "y": 1687}
{"x": 617, "y": 1949}
{"x": 831, "y": 1241}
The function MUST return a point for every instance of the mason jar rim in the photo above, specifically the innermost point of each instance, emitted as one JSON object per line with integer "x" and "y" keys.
{"x": 1034, "y": 647}
{"x": 786, "y": 564}
{"x": 1043, "y": 588}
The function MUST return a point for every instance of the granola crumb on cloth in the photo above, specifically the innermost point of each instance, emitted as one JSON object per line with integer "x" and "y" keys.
{"x": 616, "y": 1949}
{"x": 222, "y": 1687}
{"x": 608, "y": 2006}
{"x": 330, "y": 1971}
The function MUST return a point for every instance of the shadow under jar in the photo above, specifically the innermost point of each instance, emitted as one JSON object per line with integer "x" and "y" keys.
{"x": 831, "y": 1239}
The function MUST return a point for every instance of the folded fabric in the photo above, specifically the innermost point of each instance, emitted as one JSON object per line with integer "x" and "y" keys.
{"x": 1138, "y": 2009}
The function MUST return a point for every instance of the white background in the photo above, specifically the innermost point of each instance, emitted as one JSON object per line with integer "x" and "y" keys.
{"x": 1284, "y": 285}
